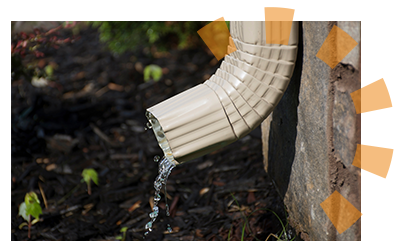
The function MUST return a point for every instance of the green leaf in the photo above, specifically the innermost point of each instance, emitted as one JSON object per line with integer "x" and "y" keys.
{"x": 90, "y": 174}
{"x": 122, "y": 237}
{"x": 49, "y": 70}
{"x": 153, "y": 71}
{"x": 22, "y": 211}
{"x": 34, "y": 209}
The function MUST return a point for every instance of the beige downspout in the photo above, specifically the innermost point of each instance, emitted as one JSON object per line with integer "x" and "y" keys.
{"x": 236, "y": 99}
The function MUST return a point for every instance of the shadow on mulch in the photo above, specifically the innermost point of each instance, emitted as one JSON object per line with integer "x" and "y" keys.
{"x": 93, "y": 117}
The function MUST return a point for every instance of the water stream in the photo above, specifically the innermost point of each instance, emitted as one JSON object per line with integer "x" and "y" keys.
{"x": 164, "y": 170}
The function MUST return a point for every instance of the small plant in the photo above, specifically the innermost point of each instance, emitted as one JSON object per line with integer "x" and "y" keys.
{"x": 89, "y": 174}
{"x": 283, "y": 236}
{"x": 123, "y": 236}
{"x": 153, "y": 71}
{"x": 23, "y": 44}
{"x": 28, "y": 209}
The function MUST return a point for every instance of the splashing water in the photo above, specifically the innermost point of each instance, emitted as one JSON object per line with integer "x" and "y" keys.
{"x": 148, "y": 126}
{"x": 164, "y": 170}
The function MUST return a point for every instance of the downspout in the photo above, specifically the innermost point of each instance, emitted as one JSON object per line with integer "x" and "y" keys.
{"x": 235, "y": 100}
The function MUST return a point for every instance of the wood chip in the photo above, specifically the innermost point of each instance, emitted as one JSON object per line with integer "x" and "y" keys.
{"x": 86, "y": 90}
{"x": 60, "y": 142}
{"x": 135, "y": 206}
{"x": 101, "y": 91}
{"x": 115, "y": 87}
{"x": 174, "y": 230}
{"x": 205, "y": 164}
{"x": 80, "y": 75}
{"x": 51, "y": 167}
{"x": 204, "y": 190}
{"x": 235, "y": 208}
{"x": 198, "y": 233}
{"x": 151, "y": 202}
{"x": 251, "y": 198}
{"x": 218, "y": 183}
{"x": 87, "y": 208}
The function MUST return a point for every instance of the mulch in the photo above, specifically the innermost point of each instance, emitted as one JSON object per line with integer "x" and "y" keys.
{"x": 92, "y": 116}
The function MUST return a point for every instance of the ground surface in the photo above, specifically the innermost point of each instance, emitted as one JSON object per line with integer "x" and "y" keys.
{"x": 82, "y": 121}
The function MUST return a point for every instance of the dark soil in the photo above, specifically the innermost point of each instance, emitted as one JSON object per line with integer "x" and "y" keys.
{"x": 82, "y": 121}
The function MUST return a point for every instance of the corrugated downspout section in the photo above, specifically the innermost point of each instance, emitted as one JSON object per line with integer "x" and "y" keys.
{"x": 235, "y": 100}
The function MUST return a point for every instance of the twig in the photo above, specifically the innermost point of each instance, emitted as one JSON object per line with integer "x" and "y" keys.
{"x": 102, "y": 136}
{"x": 44, "y": 196}
{"x": 173, "y": 205}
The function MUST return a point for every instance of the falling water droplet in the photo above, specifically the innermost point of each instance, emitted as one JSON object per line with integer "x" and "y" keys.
{"x": 164, "y": 169}
{"x": 149, "y": 225}
{"x": 157, "y": 185}
{"x": 167, "y": 210}
{"x": 169, "y": 229}
{"x": 166, "y": 199}
{"x": 156, "y": 158}
{"x": 153, "y": 214}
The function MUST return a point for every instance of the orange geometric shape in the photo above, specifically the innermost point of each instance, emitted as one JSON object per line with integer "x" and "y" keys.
{"x": 278, "y": 14}
{"x": 216, "y": 36}
{"x": 357, "y": 157}
{"x": 356, "y": 96}
{"x": 336, "y": 46}
{"x": 372, "y": 97}
{"x": 231, "y": 46}
{"x": 340, "y": 211}
{"x": 278, "y": 24}
{"x": 220, "y": 19}
{"x": 373, "y": 159}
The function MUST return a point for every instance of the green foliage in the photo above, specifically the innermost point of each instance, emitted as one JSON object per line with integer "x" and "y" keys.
{"x": 89, "y": 174}
{"x": 31, "y": 206}
{"x": 123, "y": 236}
{"x": 126, "y": 36}
{"x": 152, "y": 71}
{"x": 49, "y": 70}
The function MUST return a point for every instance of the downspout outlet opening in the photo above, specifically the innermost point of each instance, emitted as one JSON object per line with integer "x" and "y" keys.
{"x": 161, "y": 138}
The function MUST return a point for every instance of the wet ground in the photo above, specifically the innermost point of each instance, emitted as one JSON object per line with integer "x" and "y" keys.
{"x": 92, "y": 116}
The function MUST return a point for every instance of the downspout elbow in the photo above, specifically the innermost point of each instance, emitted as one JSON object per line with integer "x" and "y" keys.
{"x": 235, "y": 100}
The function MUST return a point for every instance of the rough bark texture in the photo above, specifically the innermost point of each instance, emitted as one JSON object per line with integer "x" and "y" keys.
{"x": 310, "y": 139}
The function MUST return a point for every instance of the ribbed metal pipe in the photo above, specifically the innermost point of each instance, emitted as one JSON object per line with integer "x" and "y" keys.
{"x": 235, "y": 100}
